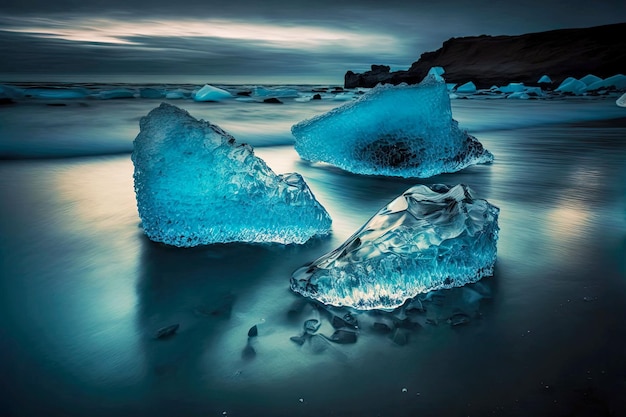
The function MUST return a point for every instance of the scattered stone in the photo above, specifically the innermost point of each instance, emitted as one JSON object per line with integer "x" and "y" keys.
{"x": 272, "y": 100}
{"x": 317, "y": 97}
{"x": 254, "y": 331}
{"x": 348, "y": 320}
{"x": 298, "y": 339}
{"x": 244, "y": 93}
{"x": 166, "y": 332}
{"x": 56, "y": 104}
{"x": 381, "y": 327}
{"x": 343, "y": 337}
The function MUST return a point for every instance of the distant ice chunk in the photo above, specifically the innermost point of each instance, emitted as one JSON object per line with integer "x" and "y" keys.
{"x": 116, "y": 93}
{"x": 177, "y": 94}
{"x": 572, "y": 85}
{"x": 544, "y": 80}
{"x": 56, "y": 93}
{"x": 195, "y": 185}
{"x": 262, "y": 92}
{"x": 590, "y": 79}
{"x": 150, "y": 93}
{"x": 430, "y": 237}
{"x": 617, "y": 82}
{"x": 467, "y": 88}
{"x": 343, "y": 97}
{"x": 621, "y": 101}
{"x": 437, "y": 72}
{"x": 210, "y": 93}
{"x": 520, "y": 95}
{"x": 405, "y": 131}
{"x": 534, "y": 91}
{"x": 513, "y": 88}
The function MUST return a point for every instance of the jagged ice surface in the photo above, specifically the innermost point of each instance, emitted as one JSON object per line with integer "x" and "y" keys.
{"x": 404, "y": 131}
{"x": 195, "y": 185}
{"x": 430, "y": 237}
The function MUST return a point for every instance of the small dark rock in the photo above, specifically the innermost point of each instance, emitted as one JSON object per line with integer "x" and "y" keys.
{"x": 317, "y": 97}
{"x": 272, "y": 100}
{"x": 298, "y": 339}
{"x": 348, "y": 320}
{"x": 343, "y": 337}
{"x": 165, "y": 332}
{"x": 381, "y": 327}
{"x": 254, "y": 331}
{"x": 244, "y": 93}
{"x": 56, "y": 104}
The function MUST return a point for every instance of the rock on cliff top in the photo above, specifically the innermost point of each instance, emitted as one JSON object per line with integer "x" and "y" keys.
{"x": 488, "y": 60}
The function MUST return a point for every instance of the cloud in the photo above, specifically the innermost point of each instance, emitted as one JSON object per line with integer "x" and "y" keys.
{"x": 188, "y": 47}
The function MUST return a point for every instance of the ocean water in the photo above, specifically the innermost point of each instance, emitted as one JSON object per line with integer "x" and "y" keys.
{"x": 83, "y": 292}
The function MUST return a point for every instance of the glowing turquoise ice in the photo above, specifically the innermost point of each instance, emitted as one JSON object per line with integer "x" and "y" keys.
{"x": 426, "y": 239}
{"x": 196, "y": 185}
{"x": 404, "y": 131}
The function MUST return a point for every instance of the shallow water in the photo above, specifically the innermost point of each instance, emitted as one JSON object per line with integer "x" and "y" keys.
{"x": 83, "y": 291}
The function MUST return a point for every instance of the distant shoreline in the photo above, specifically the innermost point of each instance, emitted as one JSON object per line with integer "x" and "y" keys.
{"x": 499, "y": 60}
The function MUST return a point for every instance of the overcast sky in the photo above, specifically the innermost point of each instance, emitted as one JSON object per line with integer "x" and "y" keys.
{"x": 317, "y": 40}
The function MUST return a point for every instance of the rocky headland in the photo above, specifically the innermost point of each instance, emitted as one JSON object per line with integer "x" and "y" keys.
{"x": 497, "y": 60}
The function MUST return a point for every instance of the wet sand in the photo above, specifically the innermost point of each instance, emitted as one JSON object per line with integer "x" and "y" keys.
{"x": 83, "y": 293}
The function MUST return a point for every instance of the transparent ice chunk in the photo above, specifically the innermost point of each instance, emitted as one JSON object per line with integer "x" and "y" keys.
{"x": 196, "y": 185}
{"x": 430, "y": 237}
{"x": 405, "y": 131}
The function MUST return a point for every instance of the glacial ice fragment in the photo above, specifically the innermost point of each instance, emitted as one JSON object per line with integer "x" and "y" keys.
{"x": 467, "y": 88}
{"x": 617, "y": 82}
{"x": 150, "y": 93}
{"x": 544, "y": 80}
{"x": 590, "y": 79}
{"x": 430, "y": 237}
{"x": 513, "y": 88}
{"x": 56, "y": 93}
{"x": 572, "y": 85}
{"x": 195, "y": 185}
{"x": 210, "y": 93}
{"x": 405, "y": 131}
{"x": 115, "y": 93}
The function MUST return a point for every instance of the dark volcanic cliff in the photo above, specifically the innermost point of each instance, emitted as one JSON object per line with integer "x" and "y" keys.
{"x": 488, "y": 60}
